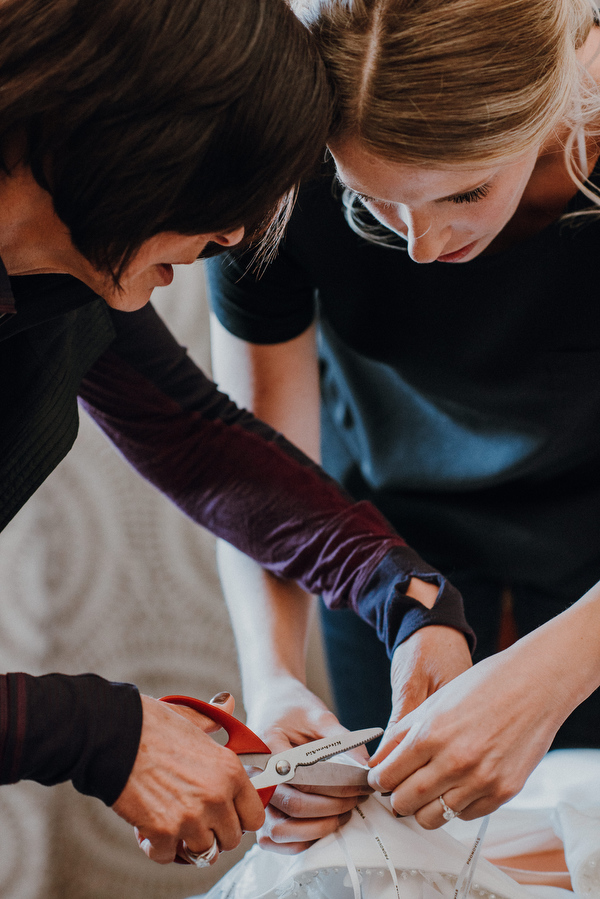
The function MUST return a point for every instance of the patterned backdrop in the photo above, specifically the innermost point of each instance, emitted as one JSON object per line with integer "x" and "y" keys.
{"x": 100, "y": 573}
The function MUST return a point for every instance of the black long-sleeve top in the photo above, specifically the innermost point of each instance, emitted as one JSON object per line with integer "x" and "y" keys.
{"x": 225, "y": 469}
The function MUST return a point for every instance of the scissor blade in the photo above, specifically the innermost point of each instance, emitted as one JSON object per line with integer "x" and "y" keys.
{"x": 282, "y": 766}
{"x": 330, "y": 774}
{"x": 320, "y": 750}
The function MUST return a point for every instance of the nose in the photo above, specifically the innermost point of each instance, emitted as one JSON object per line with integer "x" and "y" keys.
{"x": 427, "y": 236}
{"x": 229, "y": 238}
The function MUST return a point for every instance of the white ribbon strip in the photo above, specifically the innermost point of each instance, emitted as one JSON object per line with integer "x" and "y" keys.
{"x": 463, "y": 883}
{"x": 352, "y": 872}
{"x": 465, "y": 878}
{"x": 382, "y": 848}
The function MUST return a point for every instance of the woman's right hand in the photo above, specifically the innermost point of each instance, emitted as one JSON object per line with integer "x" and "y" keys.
{"x": 186, "y": 787}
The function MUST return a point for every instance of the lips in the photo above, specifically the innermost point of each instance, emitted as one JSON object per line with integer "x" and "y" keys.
{"x": 457, "y": 255}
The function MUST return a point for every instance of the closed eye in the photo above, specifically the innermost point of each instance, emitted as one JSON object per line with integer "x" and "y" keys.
{"x": 382, "y": 204}
{"x": 472, "y": 196}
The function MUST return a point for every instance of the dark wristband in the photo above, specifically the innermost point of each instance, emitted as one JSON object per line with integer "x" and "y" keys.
{"x": 80, "y": 728}
{"x": 395, "y": 616}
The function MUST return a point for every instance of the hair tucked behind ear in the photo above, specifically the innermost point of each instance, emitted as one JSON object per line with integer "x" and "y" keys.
{"x": 142, "y": 116}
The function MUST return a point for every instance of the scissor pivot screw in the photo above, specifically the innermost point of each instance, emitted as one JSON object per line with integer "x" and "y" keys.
{"x": 283, "y": 767}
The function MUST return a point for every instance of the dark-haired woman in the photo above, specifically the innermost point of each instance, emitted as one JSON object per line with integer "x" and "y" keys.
{"x": 131, "y": 139}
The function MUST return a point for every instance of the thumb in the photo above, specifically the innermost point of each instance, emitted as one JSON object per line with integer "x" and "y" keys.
{"x": 225, "y": 701}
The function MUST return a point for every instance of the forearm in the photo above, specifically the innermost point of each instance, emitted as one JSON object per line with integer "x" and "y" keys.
{"x": 61, "y": 727}
{"x": 271, "y": 620}
{"x": 246, "y": 483}
{"x": 563, "y": 656}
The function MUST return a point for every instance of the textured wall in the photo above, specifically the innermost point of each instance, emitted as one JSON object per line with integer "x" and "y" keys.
{"x": 100, "y": 573}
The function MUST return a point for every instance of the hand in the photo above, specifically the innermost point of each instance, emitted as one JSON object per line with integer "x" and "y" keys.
{"x": 186, "y": 787}
{"x": 474, "y": 741}
{"x": 289, "y": 715}
{"x": 430, "y": 658}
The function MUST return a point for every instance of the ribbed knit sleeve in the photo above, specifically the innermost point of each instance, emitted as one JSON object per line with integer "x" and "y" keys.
{"x": 61, "y": 727}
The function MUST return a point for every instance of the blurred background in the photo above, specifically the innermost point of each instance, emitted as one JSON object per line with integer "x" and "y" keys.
{"x": 100, "y": 573}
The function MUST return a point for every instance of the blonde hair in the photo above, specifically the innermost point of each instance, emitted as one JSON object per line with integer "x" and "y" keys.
{"x": 456, "y": 83}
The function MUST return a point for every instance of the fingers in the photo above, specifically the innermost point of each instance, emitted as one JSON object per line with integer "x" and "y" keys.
{"x": 304, "y": 803}
{"x": 184, "y": 854}
{"x": 291, "y": 835}
{"x": 185, "y": 787}
{"x": 437, "y": 813}
{"x": 200, "y": 859}
{"x": 295, "y": 819}
{"x": 223, "y": 700}
{"x": 341, "y": 791}
{"x": 248, "y": 807}
{"x": 393, "y": 762}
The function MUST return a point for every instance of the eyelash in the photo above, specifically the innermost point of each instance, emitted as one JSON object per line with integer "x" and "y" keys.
{"x": 365, "y": 199}
{"x": 472, "y": 196}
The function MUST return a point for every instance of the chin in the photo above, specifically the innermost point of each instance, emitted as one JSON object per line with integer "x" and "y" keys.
{"x": 129, "y": 300}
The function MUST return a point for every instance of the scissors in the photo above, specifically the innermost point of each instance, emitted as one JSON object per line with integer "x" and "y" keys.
{"x": 306, "y": 764}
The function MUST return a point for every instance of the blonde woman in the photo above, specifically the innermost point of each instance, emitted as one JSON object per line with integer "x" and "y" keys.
{"x": 452, "y": 291}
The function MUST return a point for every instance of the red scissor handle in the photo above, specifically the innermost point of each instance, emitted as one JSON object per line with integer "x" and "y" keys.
{"x": 241, "y": 738}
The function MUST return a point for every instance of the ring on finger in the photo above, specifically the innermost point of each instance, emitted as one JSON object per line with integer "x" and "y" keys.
{"x": 201, "y": 859}
{"x": 448, "y": 813}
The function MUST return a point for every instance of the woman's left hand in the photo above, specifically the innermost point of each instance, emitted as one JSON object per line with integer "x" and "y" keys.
{"x": 289, "y": 715}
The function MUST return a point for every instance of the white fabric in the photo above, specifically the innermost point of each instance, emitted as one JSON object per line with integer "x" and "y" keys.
{"x": 559, "y": 805}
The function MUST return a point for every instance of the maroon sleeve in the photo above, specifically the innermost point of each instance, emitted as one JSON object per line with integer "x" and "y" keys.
{"x": 243, "y": 481}
{"x": 61, "y": 727}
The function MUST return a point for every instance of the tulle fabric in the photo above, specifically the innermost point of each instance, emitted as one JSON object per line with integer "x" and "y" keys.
{"x": 378, "y": 856}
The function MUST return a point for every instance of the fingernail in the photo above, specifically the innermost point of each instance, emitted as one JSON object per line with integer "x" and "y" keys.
{"x": 221, "y": 698}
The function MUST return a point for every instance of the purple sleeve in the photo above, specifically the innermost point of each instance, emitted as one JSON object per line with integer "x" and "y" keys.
{"x": 61, "y": 727}
{"x": 243, "y": 481}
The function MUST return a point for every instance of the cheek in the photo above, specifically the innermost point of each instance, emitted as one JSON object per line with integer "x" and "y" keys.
{"x": 501, "y": 211}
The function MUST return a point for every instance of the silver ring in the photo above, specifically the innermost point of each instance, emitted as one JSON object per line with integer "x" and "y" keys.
{"x": 201, "y": 859}
{"x": 449, "y": 813}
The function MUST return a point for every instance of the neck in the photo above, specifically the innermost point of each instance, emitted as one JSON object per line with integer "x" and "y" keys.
{"x": 32, "y": 237}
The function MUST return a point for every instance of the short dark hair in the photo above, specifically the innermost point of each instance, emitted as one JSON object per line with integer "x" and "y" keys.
{"x": 143, "y": 116}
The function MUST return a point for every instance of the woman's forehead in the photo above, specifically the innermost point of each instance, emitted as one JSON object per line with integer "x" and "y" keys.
{"x": 380, "y": 178}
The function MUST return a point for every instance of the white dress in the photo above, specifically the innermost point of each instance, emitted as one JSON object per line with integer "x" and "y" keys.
{"x": 378, "y": 856}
